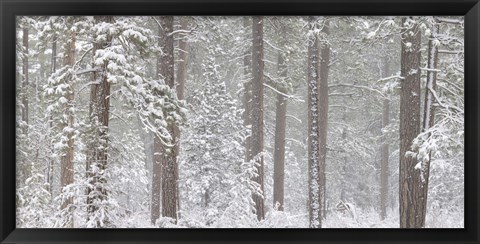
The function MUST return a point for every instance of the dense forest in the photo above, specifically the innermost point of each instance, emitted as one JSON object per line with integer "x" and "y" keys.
{"x": 241, "y": 121}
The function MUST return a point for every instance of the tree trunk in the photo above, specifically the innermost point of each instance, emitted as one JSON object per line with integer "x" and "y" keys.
{"x": 247, "y": 86}
{"x": 323, "y": 111}
{"x": 99, "y": 118}
{"x": 314, "y": 196}
{"x": 428, "y": 116}
{"x": 343, "y": 193}
{"x": 257, "y": 110}
{"x": 280, "y": 126}
{"x": 156, "y": 180}
{"x": 384, "y": 170}
{"x": 50, "y": 162}
{"x": 169, "y": 173}
{"x": 67, "y": 170}
{"x": 410, "y": 207}
{"x": 25, "y": 82}
{"x": 181, "y": 78}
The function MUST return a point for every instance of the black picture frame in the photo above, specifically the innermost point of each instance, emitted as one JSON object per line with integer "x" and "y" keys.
{"x": 10, "y": 8}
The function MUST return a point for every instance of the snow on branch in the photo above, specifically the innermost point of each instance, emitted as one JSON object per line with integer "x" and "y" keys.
{"x": 450, "y": 21}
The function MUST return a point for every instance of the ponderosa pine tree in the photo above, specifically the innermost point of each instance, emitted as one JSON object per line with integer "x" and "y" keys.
{"x": 257, "y": 111}
{"x": 169, "y": 173}
{"x": 99, "y": 108}
{"x": 314, "y": 196}
{"x": 280, "y": 125}
{"x": 384, "y": 168}
{"x": 213, "y": 148}
{"x": 324, "y": 64}
{"x": 67, "y": 127}
{"x": 410, "y": 182}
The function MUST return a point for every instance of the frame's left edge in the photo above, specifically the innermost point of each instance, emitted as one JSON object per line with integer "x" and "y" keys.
{"x": 7, "y": 126}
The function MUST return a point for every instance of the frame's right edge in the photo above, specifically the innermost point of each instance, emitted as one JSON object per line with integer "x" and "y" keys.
{"x": 472, "y": 111}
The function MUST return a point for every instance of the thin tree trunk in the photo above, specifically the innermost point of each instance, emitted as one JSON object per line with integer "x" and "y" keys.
{"x": 384, "y": 170}
{"x": 280, "y": 126}
{"x": 25, "y": 83}
{"x": 99, "y": 118}
{"x": 323, "y": 111}
{"x": 410, "y": 210}
{"x": 315, "y": 213}
{"x": 169, "y": 163}
{"x": 428, "y": 116}
{"x": 257, "y": 110}
{"x": 345, "y": 159}
{"x": 67, "y": 170}
{"x": 50, "y": 163}
{"x": 247, "y": 86}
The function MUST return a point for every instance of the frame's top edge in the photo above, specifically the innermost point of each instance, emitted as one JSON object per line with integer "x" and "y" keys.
{"x": 238, "y": 7}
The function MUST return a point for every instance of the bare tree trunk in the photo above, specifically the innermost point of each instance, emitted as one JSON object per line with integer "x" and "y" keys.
{"x": 428, "y": 116}
{"x": 257, "y": 110}
{"x": 67, "y": 170}
{"x": 384, "y": 170}
{"x": 169, "y": 163}
{"x": 99, "y": 118}
{"x": 314, "y": 196}
{"x": 25, "y": 83}
{"x": 280, "y": 125}
{"x": 247, "y": 86}
{"x": 323, "y": 111}
{"x": 410, "y": 210}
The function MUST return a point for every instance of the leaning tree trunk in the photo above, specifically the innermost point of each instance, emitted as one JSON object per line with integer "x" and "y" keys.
{"x": 384, "y": 170}
{"x": 428, "y": 116}
{"x": 410, "y": 184}
{"x": 314, "y": 196}
{"x": 257, "y": 110}
{"x": 67, "y": 170}
{"x": 323, "y": 111}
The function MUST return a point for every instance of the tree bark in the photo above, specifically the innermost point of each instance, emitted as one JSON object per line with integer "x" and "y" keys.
{"x": 257, "y": 110}
{"x": 323, "y": 111}
{"x": 314, "y": 196}
{"x": 428, "y": 116}
{"x": 99, "y": 118}
{"x": 50, "y": 162}
{"x": 169, "y": 175}
{"x": 181, "y": 78}
{"x": 25, "y": 82}
{"x": 247, "y": 86}
{"x": 384, "y": 170}
{"x": 343, "y": 193}
{"x": 279, "y": 148}
{"x": 67, "y": 170}
{"x": 410, "y": 210}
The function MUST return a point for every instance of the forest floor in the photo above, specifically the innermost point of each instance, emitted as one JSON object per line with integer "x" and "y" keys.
{"x": 363, "y": 219}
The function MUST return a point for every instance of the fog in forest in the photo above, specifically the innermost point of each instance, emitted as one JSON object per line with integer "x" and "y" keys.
{"x": 239, "y": 122}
